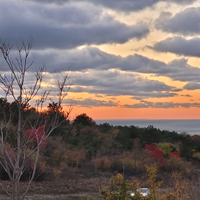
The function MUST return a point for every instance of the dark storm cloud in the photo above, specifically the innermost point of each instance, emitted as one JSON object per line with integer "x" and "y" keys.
{"x": 179, "y": 46}
{"x": 88, "y": 102}
{"x": 187, "y": 95}
{"x": 118, "y": 92}
{"x": 109, "y": 83}
{"x": 192, "y": 86}
{"x": 178, "y": 69}
{"x": 147, "y": 104}
{"x": 119, "y": 5}
{"x": 115, "y": 83}
{"x": 145, "y": 95}
{"x": 64, "y": 27}
{"x": 133, "y": 5}
{"x": 77, "y": 59}
{"x": 186, "y": 22}
{"x": 94, "y": 58}
{"x": 81, "y": 60}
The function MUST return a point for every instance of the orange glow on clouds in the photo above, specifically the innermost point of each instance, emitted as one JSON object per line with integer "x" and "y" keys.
{"x": 119, "y": 112}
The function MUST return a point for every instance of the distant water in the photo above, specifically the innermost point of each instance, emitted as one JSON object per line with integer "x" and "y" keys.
{"x": 190, "y": 126}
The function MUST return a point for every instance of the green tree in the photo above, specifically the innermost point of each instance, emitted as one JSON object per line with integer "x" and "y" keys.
{"x": 84, "y": 120}
{"x": 52, "y": 109}
{"x": 166, "y": 148}
{"x": 90, "y": 140}
{"x": 186, "y": 147}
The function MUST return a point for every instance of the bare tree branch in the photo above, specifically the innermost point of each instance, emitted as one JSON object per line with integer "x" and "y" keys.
{"x": 15, "y": 158}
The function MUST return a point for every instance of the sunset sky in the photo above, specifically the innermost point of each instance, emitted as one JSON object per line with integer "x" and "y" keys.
{"x": 127, "y": 59}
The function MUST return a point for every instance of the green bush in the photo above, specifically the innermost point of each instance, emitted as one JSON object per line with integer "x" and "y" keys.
{"x": 166, "y": 148}
{"x": 196, "y": 156}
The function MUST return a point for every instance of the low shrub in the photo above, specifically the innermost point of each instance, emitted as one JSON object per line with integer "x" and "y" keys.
{"x": 196, "y": 156}
{"x": 57, "y": 157}
{"x": 102, "y": 164}
{"x": 116, "y": 166}
{"x": 177, "y": 164}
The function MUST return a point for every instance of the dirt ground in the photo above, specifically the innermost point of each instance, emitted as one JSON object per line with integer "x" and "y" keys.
{"x": 65, "y": 188}
{"x": 80, "y": 196}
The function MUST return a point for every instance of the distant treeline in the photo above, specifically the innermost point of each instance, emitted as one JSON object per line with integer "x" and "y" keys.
{"x": 84, "y": 133}
{"x": 104, "y": 139}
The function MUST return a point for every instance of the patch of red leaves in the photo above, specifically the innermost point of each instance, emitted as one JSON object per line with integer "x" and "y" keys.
{"x": 37, "y": 135}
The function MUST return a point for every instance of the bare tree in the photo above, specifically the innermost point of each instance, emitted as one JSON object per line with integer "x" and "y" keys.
{"x": 15, "y": 156}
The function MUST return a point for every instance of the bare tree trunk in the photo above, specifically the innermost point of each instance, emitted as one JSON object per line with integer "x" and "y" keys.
{"x": 11, "y": 157}
{"x": 13, "y": 192}
{"x": 17, "y": 187}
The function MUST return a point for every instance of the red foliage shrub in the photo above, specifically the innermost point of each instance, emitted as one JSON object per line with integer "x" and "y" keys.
{"x": 37, "y": 135}
{"x": 82, "y": 130}
{"x": 175, "y": 154}
{"x": 155, "y": 152}
{"x": 150, "y": 147}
